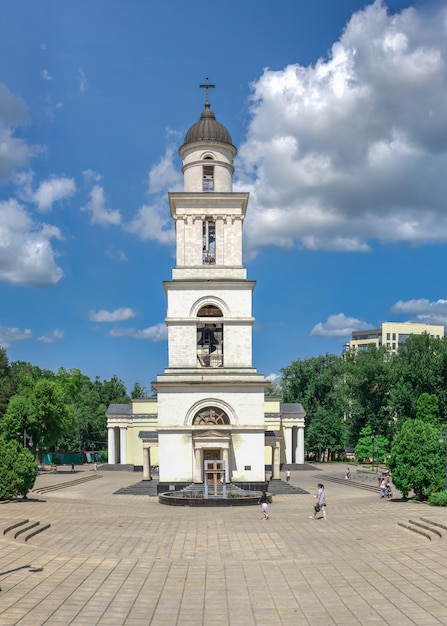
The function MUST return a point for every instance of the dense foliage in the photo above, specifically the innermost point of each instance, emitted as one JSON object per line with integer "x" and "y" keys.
{"x": 380, "y": 405}
{"x": 58, "y": 411}
{"x": 376, "y": 403}
{"x": 18, "y": 470}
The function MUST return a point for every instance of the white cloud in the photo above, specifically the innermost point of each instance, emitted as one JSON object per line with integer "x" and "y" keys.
{"x": 152, "y": 333}
{"x": 118, "y": 315}
{"x": 82, "y": 80}
{"x": 11, "y": 335}
{"x": 273, "y": 377}
{"x": 91, "y": 176}
{"x": 164, "y": 176}
{"x": 115, "y": 255}
{"x": 46, "y": 75}
{"x": 424, "y": 311}
{"x": 151, "y": 222}
{"x": 53, "y": 190}
{"x": 353, "y": 148}
{"x": 15, "y": 152}
{"x": 26, "y": 253}
{"x": 56, "y": 335}
{"x": 99, "y": 214}
{"x": 338, "y": 326}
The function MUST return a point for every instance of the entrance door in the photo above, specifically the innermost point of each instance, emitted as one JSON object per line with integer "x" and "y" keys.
{"x": 212, "y": 455}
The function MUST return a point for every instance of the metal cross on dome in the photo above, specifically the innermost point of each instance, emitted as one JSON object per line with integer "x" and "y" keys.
{"x": 207, "y": 86}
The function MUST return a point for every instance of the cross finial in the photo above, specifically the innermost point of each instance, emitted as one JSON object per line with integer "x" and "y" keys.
{"x": 207, "y": 86}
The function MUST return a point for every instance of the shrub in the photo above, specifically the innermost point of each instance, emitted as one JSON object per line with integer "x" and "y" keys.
{"x": 439, "y": 498}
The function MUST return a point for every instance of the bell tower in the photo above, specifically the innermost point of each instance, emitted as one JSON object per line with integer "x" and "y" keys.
{"x": 210, "y": 398}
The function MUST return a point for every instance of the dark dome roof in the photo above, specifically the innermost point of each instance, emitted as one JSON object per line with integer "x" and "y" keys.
{"x": 207, "y": 129}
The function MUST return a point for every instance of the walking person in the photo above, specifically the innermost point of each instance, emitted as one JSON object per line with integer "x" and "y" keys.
{"x": 320, "y": 504}
{"x": 288, "y": 476}
{"x": 263, "y": 501}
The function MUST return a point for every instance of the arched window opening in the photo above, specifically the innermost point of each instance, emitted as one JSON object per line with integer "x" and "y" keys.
{"x": 209, "y": 242}
{"x": 210, "y": 310}
{"x": 210, "y": 345}
{"x": 211, "y": 415}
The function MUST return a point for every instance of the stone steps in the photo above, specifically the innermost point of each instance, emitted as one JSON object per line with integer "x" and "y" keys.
{"x": 142, "y": 488}
{"x": 424, "y": 527}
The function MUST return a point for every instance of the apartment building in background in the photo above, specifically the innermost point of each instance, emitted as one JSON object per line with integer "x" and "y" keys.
{"x": 392, "y": 335}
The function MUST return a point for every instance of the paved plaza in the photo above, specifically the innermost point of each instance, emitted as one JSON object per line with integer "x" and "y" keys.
{"x": 112, "y": 559}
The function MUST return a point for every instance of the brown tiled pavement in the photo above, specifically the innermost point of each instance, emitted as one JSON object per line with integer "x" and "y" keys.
{"x": 114, "y": 559}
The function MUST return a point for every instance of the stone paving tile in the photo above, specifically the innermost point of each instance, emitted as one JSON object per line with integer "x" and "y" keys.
{"x": 118, "y": 559}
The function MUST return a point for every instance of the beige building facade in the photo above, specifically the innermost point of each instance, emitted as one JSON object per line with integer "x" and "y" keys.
{"x": 392, "y": 335}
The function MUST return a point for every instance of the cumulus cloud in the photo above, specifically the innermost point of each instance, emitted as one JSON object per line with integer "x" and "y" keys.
{"x": 54, "y": 189}
{"x": 99, "y": 214}
{"x": 423, "y": 311}
{"x": 26, "y": 253}
{"x": 338, "y": 326}
{"x": 353, "y": 148}
{"x": 56, "y": 335}
{"x": 118, "y": 315}
{"x": 15, "y": 152}
{"x": 164, "y": 176}
{"x": 152, "y": 333}
{"x": 11, "y": 335}
{"x": 154, "y": 223}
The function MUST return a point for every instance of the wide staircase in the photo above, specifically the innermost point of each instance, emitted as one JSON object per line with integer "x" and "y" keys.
{"x": 142, "y": 488}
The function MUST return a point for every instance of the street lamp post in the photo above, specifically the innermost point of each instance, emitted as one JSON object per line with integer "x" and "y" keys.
{"x": 320, "y": 445}
{"x": 26, "y": 438}
{"x": 441, "y": 440}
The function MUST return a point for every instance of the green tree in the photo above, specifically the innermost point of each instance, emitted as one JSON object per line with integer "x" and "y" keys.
{"x": 327, "y": 432}
{"x": 111, "y": 391}
{"x": 18, "y": 470}
{"x": 40, "y": 409}
{"x": 371, "y": 448}
{"x": 366, "y": 387}
{"x": 6, "y": 388}
{"x": 138, "y": 391}
{"x": 427, "y": 408}
{"x": 419, "y": 367}
{"x": 417, "y": 459}
{"x": 91, "y": 423}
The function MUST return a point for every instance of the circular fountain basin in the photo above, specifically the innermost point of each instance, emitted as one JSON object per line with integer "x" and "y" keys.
{"x": 178, "y": 498}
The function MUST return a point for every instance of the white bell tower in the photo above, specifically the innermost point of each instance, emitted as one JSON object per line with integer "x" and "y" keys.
{"x": 210, "y": 398}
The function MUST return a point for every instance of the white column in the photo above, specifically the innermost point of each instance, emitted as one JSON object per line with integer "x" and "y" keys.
{"x": 227, "y": 467}
{"x": 111, "y": 445}
{"x": 276, "y": 454}
{"x": 288, "y": 444}
{"x": 197, "y": 465}
{"x": 146, "y": 461}
{"x": 123, "y": 445}
{"x": 299, "y": 454}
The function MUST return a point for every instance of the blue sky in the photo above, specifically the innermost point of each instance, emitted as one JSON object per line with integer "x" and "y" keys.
{"x": 338, "y": 110}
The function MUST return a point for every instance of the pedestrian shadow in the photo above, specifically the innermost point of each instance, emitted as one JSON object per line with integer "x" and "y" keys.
{"x": 16, "y": 569}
